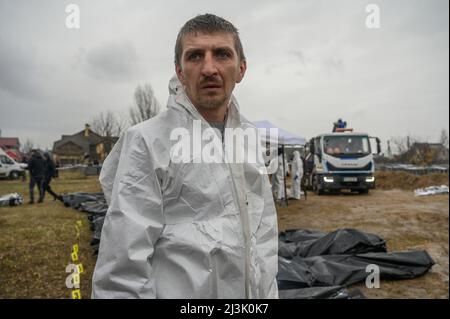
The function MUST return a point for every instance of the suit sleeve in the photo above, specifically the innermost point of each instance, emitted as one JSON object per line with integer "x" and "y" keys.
{"x": 133, "y": 222}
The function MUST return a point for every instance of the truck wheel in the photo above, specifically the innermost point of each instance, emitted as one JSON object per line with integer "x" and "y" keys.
{"x": 317, "y": 190}
{"x": 14, "y": 175}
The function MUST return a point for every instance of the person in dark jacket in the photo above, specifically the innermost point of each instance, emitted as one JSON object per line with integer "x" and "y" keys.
{"x": 50, "y": 172}
{"x": 36, "y": 166}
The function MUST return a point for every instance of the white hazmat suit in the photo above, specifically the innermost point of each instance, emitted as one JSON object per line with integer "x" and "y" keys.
{"x": 297, "y": 174}
{"x": 184, "y": 230}
{"x": 278, "y": 177}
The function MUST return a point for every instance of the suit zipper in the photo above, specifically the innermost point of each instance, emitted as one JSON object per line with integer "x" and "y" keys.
{"x": 245, "y": 233}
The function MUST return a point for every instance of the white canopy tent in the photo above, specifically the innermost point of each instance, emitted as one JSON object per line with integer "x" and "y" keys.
{"x": 285, "y": 138}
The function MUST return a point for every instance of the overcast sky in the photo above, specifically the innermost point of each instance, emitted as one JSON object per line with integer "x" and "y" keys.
{"x": 309, "y": 63}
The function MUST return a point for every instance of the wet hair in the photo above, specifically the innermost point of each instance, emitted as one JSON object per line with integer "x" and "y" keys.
{"x": 207, "y": 23}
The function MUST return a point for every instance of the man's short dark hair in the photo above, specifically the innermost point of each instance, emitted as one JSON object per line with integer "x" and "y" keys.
{"x": 208, "y": 23}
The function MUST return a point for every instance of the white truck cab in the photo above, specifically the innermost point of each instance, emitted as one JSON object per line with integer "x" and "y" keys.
{"x": 9, "y": 168}
{"x": 341, "y": 160}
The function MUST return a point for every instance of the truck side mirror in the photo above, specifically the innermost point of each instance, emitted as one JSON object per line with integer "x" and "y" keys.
{"x": 378, "y": 145}
{"x": 312, "y": 149}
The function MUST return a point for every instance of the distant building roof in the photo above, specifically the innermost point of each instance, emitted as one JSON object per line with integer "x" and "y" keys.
{"x": 9, "y": 142}
{"x": 85, "y": 142}
{"x": 79, "y": 139}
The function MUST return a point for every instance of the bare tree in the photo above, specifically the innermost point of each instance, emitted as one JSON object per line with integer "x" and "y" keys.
{"x": 389, "y": 150}
{"x": 122, "y": 125}
{"x": 399, "y": 144}
{"x": 27, "y": 146}
{"x": 444, "y": 138}
{"x": 108, "y": 124}
{"x": 402, "y": 144}
{"x": 146, "y": 105}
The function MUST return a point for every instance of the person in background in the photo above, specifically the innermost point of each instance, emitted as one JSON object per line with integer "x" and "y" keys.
{"x": 36, "y": 166}
{"x": 287, "y": 169}
{"x": 50, "y": 172}
{"x": 278, "y": 177}
{"x": 297, "y": 175}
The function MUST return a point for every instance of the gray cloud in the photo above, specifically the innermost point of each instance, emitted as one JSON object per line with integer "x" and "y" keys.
{"x": 18, "y": 69}
{"x": 116, "y": 61}
{"x": 309, "y": 62}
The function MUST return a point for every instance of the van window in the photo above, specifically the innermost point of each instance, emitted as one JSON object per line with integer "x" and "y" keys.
{"x": 5, "y": 160}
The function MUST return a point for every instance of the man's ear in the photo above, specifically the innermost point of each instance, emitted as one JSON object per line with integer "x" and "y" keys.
{"x": 242, "y": 69}
{"x": 179, "y": 72}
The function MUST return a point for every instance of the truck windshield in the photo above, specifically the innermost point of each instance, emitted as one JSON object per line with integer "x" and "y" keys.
{"x": 346, "y": 145}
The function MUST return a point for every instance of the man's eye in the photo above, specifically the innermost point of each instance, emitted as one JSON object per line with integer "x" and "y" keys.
{"x": 194, "y": 56}
{"x": 223, "y": 54}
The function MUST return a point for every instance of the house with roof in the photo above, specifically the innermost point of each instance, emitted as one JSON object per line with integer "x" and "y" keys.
{"x": 11, "y": 146}
{"x": 84, "y": 147}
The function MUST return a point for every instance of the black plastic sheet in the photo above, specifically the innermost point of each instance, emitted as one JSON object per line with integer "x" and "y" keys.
{"x": 343, "y": 270}
{"x": 82, "y": 200}
{"x": 338, "y": 259}
{"x": 308, "y": 243}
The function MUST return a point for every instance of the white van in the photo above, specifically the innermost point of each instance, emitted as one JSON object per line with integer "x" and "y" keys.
{"x": 9, "y": 168}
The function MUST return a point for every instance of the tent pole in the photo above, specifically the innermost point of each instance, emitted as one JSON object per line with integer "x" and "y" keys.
{"x": 284, "y": 180}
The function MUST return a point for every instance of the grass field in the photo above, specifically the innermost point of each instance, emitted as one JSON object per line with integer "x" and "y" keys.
{"x": 36, "y": 241}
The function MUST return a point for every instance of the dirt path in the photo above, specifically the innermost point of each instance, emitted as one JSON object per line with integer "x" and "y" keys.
{"x": 405, "y": 221}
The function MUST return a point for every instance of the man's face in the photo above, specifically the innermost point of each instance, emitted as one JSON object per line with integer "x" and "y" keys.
{"x": 210, "y": 68}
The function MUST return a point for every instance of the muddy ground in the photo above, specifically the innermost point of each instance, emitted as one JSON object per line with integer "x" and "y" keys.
{"x": 405, "y": 221}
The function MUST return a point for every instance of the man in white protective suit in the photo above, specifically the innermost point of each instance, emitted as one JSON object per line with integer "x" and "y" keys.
{"x": 178, "y": 226}
{"x": 278, "y": 176}
{"x": 297, "y": 175}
